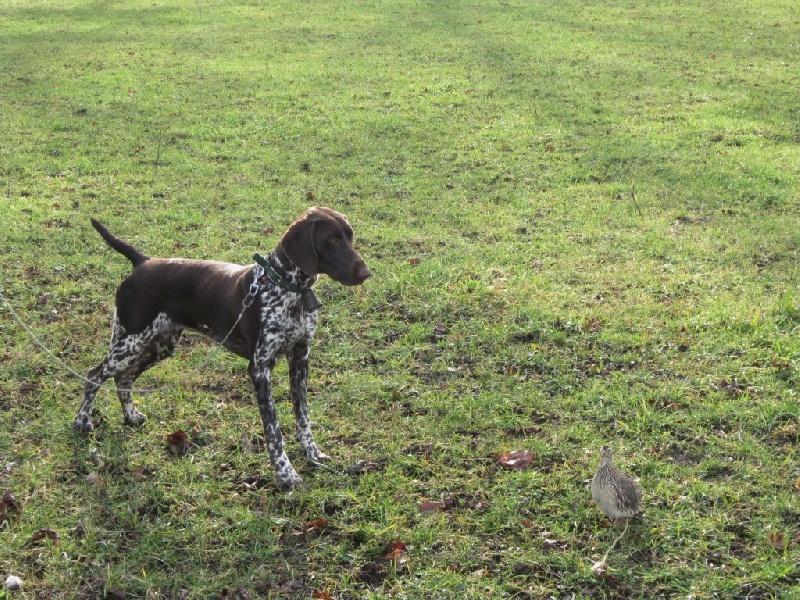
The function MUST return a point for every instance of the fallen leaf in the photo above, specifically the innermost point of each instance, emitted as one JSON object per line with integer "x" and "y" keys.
{"x": 398, "y": 557}
{"x": 10, "y": 502}
{"x": 778, "y": 542}
{"x": 398, "y": 545}
{"x": 315, "y": 524}
{"x": 43, "y": 534}
{"x": 323, "y": 595}
{"x": 430, "y": 506}
{"x": 414, "y": 261}
{"x": 515, "y": 460}
{"x": 178, "y": 443}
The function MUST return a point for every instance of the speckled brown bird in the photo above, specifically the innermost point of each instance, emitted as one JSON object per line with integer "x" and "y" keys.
{"x": 615, "y": 492}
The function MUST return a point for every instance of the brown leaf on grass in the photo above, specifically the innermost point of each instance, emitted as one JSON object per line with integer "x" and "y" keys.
{"x": 45, "y": 534}
{"x": 430, "y": 506}
{"x": 178, "y": 443}
{"x": 777, "y": 541}
{"x": 397, "y": 557}
{"x": 323, "y": 595}
{"x": 516, "y": 460}
{"x": 9, "y": 502}
{"x": 414, "y": 261}
{"x": 8, "y": 505}
{"x": 312, "y": 526}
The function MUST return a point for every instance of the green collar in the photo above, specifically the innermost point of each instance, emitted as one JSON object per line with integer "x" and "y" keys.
{"x": 309, "y": 298}
{"x": 275, "y": 277}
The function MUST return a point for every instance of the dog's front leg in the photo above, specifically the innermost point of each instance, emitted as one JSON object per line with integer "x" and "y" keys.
{"x": 298, "y": 378}
{"x": 261, "y": 375}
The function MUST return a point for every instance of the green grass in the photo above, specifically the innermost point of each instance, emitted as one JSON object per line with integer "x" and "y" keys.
{"x": 602, "y": 199}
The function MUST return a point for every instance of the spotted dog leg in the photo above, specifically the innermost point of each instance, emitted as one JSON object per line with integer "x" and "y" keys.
{"x": 261, "y": 375}
{"x": 83, "y": 420}
{"x": 124, "y": 354}
{"x": 160, "y": 347}
{"x": 298, "y": 377}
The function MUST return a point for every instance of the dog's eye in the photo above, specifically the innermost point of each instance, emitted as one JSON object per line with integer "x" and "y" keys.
{"x": 335, "y": 240}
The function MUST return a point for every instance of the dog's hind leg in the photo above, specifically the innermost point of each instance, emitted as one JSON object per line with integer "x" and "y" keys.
{"x": 160, "y": 347}
{"x": 125, "y": 354}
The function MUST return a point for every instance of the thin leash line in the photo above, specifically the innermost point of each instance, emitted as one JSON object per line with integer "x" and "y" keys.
{"x": 246, "y": 303}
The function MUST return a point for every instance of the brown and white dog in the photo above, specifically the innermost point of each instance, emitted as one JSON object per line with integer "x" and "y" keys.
{"x": 163, "y": 296}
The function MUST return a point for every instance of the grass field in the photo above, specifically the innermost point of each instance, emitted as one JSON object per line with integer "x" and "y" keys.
{"x": 583, "y": 222}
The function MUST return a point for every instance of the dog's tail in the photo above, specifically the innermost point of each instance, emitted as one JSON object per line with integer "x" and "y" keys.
{"x": 120, "y": 245}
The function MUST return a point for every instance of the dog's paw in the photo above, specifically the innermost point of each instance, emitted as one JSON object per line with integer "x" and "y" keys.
{"x": 83, "y": 424}
{"x": 316, "y": 456}
{"x": 135, "y": 418}
{"x": 288, "y": 481}
{"x": 320, "y": 459}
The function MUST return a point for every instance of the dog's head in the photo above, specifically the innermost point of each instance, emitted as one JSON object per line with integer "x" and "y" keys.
{"x": 321, "y": 241}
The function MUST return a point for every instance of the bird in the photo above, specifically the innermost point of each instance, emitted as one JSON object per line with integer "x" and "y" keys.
{"x": 616, "y": 493}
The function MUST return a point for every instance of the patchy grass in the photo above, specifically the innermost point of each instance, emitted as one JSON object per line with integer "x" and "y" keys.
{"x": 582, "y": 223}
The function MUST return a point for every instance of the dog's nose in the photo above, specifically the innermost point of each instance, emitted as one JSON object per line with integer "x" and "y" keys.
{"x": 363, "y": 274}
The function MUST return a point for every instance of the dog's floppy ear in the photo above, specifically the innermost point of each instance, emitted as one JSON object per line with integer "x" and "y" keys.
{"x": 298, "y": 245}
